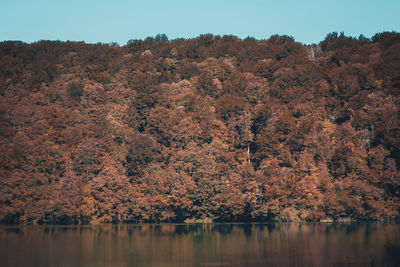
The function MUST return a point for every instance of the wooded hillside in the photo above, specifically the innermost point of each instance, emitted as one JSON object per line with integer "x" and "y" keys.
{"x": 211, "y": 127}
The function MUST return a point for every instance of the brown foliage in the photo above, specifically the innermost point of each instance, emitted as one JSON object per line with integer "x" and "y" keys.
{"x": 211, "y": 127}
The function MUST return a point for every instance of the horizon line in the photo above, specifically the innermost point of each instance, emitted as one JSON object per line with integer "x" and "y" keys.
{"x": 163, "y": 35}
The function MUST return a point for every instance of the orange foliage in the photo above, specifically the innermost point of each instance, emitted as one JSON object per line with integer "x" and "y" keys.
{"x": 211, "y": 127}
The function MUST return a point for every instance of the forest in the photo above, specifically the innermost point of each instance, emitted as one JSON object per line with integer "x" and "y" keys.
{"x": 211, "y": 128}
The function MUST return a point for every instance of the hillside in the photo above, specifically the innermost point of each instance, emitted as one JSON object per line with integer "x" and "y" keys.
{"x": 211, "y": 127}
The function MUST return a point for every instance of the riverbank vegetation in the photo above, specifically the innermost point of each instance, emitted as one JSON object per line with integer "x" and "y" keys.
{"x": 211, "y": 127}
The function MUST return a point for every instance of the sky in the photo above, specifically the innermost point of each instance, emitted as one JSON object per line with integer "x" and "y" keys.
{"x": 106, "y": 21}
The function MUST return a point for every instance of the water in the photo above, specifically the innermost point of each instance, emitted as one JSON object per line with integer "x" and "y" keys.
{"x": 284, "y": 244}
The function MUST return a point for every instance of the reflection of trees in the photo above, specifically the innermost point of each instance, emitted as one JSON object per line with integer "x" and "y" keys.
{"x": 223, "y": 229}
{"x": 392, "y": 255}
{"x": 299, "y": 244}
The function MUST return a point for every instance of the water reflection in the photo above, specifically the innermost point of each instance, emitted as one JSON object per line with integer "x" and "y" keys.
{"x": 284, "y": 244}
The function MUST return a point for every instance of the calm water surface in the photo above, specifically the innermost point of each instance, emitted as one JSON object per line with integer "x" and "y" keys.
{"x": 284, "y": 244}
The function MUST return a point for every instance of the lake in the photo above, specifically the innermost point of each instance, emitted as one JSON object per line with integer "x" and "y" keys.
{"x": 277, "y": 244}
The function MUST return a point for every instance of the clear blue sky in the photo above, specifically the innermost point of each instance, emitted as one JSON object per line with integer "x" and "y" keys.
{"x": 308, "y": 21}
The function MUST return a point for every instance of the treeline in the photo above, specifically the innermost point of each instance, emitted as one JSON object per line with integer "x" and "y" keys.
{"x": 211, "y": 127}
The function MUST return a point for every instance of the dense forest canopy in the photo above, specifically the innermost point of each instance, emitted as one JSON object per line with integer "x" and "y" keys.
{"x": 211, "y": 127}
